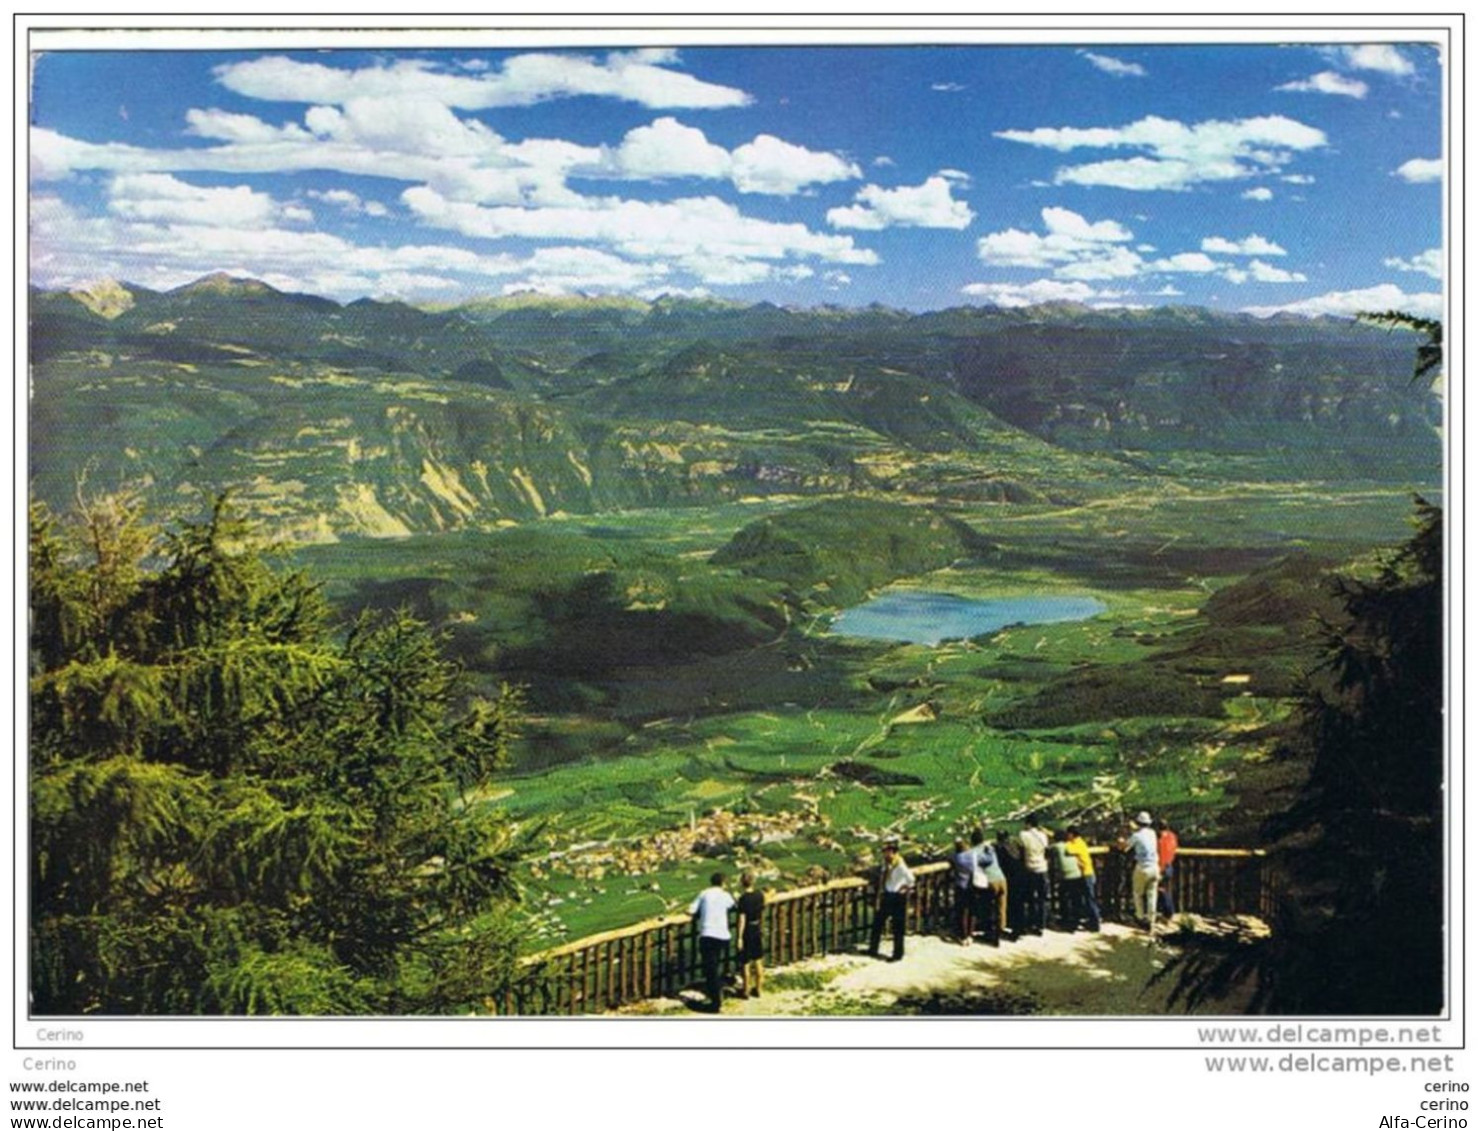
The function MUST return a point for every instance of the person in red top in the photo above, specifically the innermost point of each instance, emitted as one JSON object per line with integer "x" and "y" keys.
{"x": 1168, "y": 844}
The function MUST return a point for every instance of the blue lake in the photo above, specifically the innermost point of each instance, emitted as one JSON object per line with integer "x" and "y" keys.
{"x": 927, "y": 618}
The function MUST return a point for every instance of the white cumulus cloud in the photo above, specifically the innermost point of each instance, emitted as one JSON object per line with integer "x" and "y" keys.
{"x": 457, "y": 174}
{"x": 1071, "y": 226}
{"x": 1252, "y": 245}
{"x": 1031, "y": 294}
{"x": 770, "y": 165}
{"x": 1073, "y": 246}
{"x": 1189, "y": 262}
{"x": 1081, "y": 252}
{"x": 419, "y": 126}
{"x": 1262, "y": 195}
{"x": 158, "y": 198}
{"x": 644, "y": 77}
{"x": 706, "y": 235}
{"x": 1428, "y": 262}
{"x": 667, "y": 148}
{"x": 1266, "y": 273}
{"x": 1347, "y": 304}
{"x": 566, "y": 269}
{"x": 1178, "y": 155}
{"x": 480, "y": 166}
{"x": 1383, "y": 57}
{"x": 163, "y": 247}
{"x": 929, "y": 205}
{"x": 1420, "y": 170}
{"x": 1112, "y": 263}
{"x": 349, "y": 202}
{"x": 1116, "y": 67}
{"x": 68, "y": 248}
{"x": 421, "y": 140}
{"x": 220, "y": 125}
{"x": 1328, "y": 82}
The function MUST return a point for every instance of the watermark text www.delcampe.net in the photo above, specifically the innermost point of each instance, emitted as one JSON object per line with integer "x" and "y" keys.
{"x": 1350, "y": 1036}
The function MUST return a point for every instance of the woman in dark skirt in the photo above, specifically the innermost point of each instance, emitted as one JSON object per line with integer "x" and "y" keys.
{"x": 751, "y": 937}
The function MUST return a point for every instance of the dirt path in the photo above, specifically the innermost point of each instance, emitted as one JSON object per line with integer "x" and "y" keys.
{"x": 1083, "y": 974}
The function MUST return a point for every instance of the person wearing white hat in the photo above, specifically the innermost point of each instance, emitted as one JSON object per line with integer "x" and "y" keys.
{"x": 1142, "y": 845}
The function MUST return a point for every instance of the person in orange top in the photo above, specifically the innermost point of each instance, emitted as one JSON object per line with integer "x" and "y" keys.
{"x": 1168, "y": 844}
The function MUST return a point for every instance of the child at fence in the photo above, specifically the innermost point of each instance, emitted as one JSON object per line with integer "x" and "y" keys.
{"x": 751, "y": 937}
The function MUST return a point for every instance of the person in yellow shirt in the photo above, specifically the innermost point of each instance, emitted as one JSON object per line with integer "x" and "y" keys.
{"x": 1085, "y": 903}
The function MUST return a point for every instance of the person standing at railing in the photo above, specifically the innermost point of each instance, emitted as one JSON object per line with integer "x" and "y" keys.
{"x": 710, "y": 912}
{"x": 1168, "y": 844}
{"x": 1034, "y": 841}
{"x": 1069, "y": 873}
{"x": 962, "y": 873}
{"x": 895, "y": 883}
{"x": 1142, "y": 845}
{"x": 1008, "y": 857}
{"x": 751, "y": 938}
{"x": 1087, "y": 892}
{"x": 988, "y": 890}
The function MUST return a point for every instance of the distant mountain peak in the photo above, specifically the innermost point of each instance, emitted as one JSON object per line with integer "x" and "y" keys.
{"x": 107, "y": 298}
{"x": 222, "y": 283}
{"x": 543, "y": 300}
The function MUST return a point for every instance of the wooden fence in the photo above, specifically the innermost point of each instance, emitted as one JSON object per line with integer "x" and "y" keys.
{"x": 659, "y": 957}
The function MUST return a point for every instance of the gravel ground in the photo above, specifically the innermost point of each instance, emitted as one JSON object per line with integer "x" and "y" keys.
{"x": 1082, "y": 974}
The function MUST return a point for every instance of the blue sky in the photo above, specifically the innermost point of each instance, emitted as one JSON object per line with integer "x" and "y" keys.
{"x": 1243, "y": 177}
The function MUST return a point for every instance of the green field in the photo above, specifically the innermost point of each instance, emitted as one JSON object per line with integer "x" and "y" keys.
{"x": 687, "y": 715}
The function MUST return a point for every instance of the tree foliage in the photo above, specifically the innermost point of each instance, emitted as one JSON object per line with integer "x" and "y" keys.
{"x": 1429, "y": 353}
{"x": 234, "y": 809}
{"x": 1358, "y": 857}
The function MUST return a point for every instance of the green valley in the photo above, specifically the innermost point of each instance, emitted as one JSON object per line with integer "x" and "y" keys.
{"x": 646, "y": 515}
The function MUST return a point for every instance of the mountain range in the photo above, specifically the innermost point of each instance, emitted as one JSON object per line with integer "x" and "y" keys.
{"x": 378, "y": 418}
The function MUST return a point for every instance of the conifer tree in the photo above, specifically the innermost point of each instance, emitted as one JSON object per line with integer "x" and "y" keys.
{"x": 234, "y": 810}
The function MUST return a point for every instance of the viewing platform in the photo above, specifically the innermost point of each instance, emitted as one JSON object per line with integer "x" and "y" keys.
{"x": 658, "y": 959}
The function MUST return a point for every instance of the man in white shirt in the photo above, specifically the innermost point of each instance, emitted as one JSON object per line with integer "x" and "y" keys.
{"x": 1142, "y": 845}
{"x": 1034, "y": 841}
{"x": 897, "y": 882}
{"x": 710, "y": 912}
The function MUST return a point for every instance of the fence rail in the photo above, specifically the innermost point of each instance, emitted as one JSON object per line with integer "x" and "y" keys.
{"x": 659, "y": 957}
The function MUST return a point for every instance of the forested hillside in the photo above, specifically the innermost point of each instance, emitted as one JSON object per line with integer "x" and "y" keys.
{"x": 379, "y": 419}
